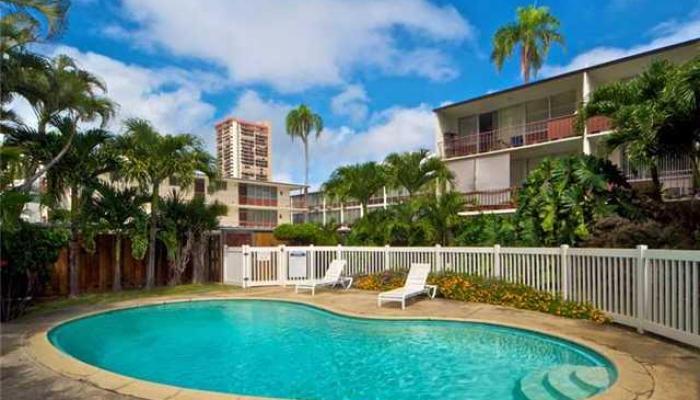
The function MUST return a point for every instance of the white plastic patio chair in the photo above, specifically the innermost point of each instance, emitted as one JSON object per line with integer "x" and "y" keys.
{"x": 415, "y": 285}
{"x": 333, "y": 277}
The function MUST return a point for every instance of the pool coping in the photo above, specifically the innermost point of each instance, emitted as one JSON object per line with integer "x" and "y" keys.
{"x": 41, "y": 350}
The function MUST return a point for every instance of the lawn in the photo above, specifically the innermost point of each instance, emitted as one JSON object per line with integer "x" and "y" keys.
{"x": 132, "y": 294}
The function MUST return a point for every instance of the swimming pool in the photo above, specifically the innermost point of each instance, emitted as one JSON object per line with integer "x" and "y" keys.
{"x": 283, "y": 349}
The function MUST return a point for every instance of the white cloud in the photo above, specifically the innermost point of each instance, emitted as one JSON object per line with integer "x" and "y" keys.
{"x": 391, "y": 130}
{"x": 665, "y": 34}
{"x": 293, "y": 46}
{"x": 351, "y": 103}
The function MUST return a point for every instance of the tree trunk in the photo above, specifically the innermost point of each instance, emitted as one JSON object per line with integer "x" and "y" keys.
{"x": 73, "y": 245}
{"x": 153, "y": 231}
{"x": 653, "y": 169}
{"x": 525, "y": 64}
{"x": 198, "y": 264}
{"x": 117, "y": 280}
{"x": 27, "y": 185}
{"x": 306, "y": 181}
{"x": 182, "y": 258}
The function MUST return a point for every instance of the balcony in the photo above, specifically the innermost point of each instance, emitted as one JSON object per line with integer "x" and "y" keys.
{"x": 252, "y": 201}
{"x": 675, "y": 174}
{"x": 257, "y": 224}
{"x": 489, "y": 200}
{"x": 519, "y": 135}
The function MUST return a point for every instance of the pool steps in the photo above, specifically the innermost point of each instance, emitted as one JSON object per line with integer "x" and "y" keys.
{"x": 565, "y": 382}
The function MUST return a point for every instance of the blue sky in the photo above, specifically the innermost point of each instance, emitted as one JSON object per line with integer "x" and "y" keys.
{"x": 373, "y": 69}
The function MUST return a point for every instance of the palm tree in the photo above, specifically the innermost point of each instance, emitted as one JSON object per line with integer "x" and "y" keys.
{"x": 414, "y": 171}
{"x": 77, "y": 173}
{"x": 120, "y": 212}
{"x": 357, "y": 181}
{"x": 300, "y": 122}
{"x": 654, "y": 115}
{"x": 149, "y": 158}
{"x": 62, "y": 90}
{"x": 441, "y": 215}
{"x": 184, "y": 228}
{"x": 19, "y": 24}
{"x": 535, "y": 30}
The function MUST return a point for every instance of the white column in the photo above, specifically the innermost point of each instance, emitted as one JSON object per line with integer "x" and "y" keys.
{"x": 342, "y": 215}
{"x": 385, "y": 203}
{"x": 324, "y": 210}
{"x": 587, "y": 89}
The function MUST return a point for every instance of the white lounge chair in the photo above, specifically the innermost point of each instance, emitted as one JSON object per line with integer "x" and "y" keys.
{"x": 333, "y": 277}
{"x": 415, "y": 285}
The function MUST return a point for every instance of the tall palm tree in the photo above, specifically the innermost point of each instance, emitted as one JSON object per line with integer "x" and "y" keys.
{"x": 20, "y": 21}
{"x": 120, "y": 212}
{"x": 415, "y": 170}
{"x": 63, "y": 90}
{"x": 77, "y": 173}
{"x": 301, "y": 122}
{"x": 149, "y": 158}
{"x": 535, "y": 30}
{"x": 357, "y": 181}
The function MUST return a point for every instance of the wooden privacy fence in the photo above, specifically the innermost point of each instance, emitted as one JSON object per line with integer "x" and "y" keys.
{"x": 96, "y": 269}
{"x": 653, "y": 290}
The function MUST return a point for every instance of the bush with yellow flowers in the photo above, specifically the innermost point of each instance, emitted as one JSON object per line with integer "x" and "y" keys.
{"x": 476, "y": 289}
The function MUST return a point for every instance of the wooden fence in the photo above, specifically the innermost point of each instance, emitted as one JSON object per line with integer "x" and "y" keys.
{"x": 95, "y": 270}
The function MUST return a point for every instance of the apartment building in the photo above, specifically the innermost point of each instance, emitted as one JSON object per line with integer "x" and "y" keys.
{"x": 244, "y": 149}
{"x": 323, "y": 210}
{"x": 493, "y": 141}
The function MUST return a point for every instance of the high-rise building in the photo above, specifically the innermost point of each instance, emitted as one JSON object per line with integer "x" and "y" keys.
{"x": 243, "y": 149}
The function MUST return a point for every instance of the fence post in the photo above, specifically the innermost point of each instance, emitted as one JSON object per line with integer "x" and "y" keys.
{"x": 282, "y": 265}
{"x": 386, "y": 257}
{"x": 497, "y": 261}
{"x": 564, "y": 285}
{"x": 438, "y": 258}
{"x": 312, "y": 261}
{"x": 245, "y": 268}
{"x": 643, "y": 298}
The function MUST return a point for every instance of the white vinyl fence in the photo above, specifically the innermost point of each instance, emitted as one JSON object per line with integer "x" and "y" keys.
{"x": 652, "y": 290}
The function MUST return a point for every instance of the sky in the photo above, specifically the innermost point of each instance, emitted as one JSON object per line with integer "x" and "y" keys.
{"x": 373, "y": 69}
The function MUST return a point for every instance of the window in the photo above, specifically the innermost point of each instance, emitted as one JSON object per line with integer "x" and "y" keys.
{"x": 257, "y": 195}
{"x": 537, "y": 110}
{"x": 467, "y": 125}
{"x": 257, "y": 218}
{"x": 172, "y": 181}
{"x": 563, "y": 104}
{"x": 487, "y": 122}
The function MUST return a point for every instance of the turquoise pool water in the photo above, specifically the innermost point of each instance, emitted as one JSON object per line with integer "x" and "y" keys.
{"x": 280, "y": 349}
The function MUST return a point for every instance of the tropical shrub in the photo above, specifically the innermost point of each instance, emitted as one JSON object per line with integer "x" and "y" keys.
{"x": 305, "y": 234}
{"x": 475, "y": 289}
{"x": 487, "y": 230}
{"x": 25, "y": 269}
{"x": 564, "y": 196}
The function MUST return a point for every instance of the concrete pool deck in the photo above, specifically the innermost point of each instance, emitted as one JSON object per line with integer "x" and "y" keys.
{"x": 31, "y": 368}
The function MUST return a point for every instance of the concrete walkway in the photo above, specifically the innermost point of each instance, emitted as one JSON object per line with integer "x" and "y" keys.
{"x": 650, "y": 368}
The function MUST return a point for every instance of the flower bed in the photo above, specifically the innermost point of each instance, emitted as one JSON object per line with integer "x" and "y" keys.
{"x": 476, "y": 289}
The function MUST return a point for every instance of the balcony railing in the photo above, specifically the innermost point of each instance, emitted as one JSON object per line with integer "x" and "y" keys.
{"x": 518, "y": 135}
{"x": 675, "y": 174}
{"x": 499, "y": 199}
{"x": 252, "y": 201}
{"x": 257, "y": 224}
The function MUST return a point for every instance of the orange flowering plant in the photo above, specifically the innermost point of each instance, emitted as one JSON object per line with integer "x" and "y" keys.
{"x": 476, "y": 289}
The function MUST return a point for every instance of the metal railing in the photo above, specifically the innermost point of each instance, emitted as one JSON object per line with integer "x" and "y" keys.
{"x": 652, "y": 290}
{"x": 546, "y": 130}
{"x": 498, "y": 199}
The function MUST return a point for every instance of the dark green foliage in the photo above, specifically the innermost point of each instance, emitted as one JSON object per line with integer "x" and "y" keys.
{"x": 307, "y": 233}
{"x": 487, "y": 230}
{"x": 24, "y": 268}
{"x": 564, "y": 196}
